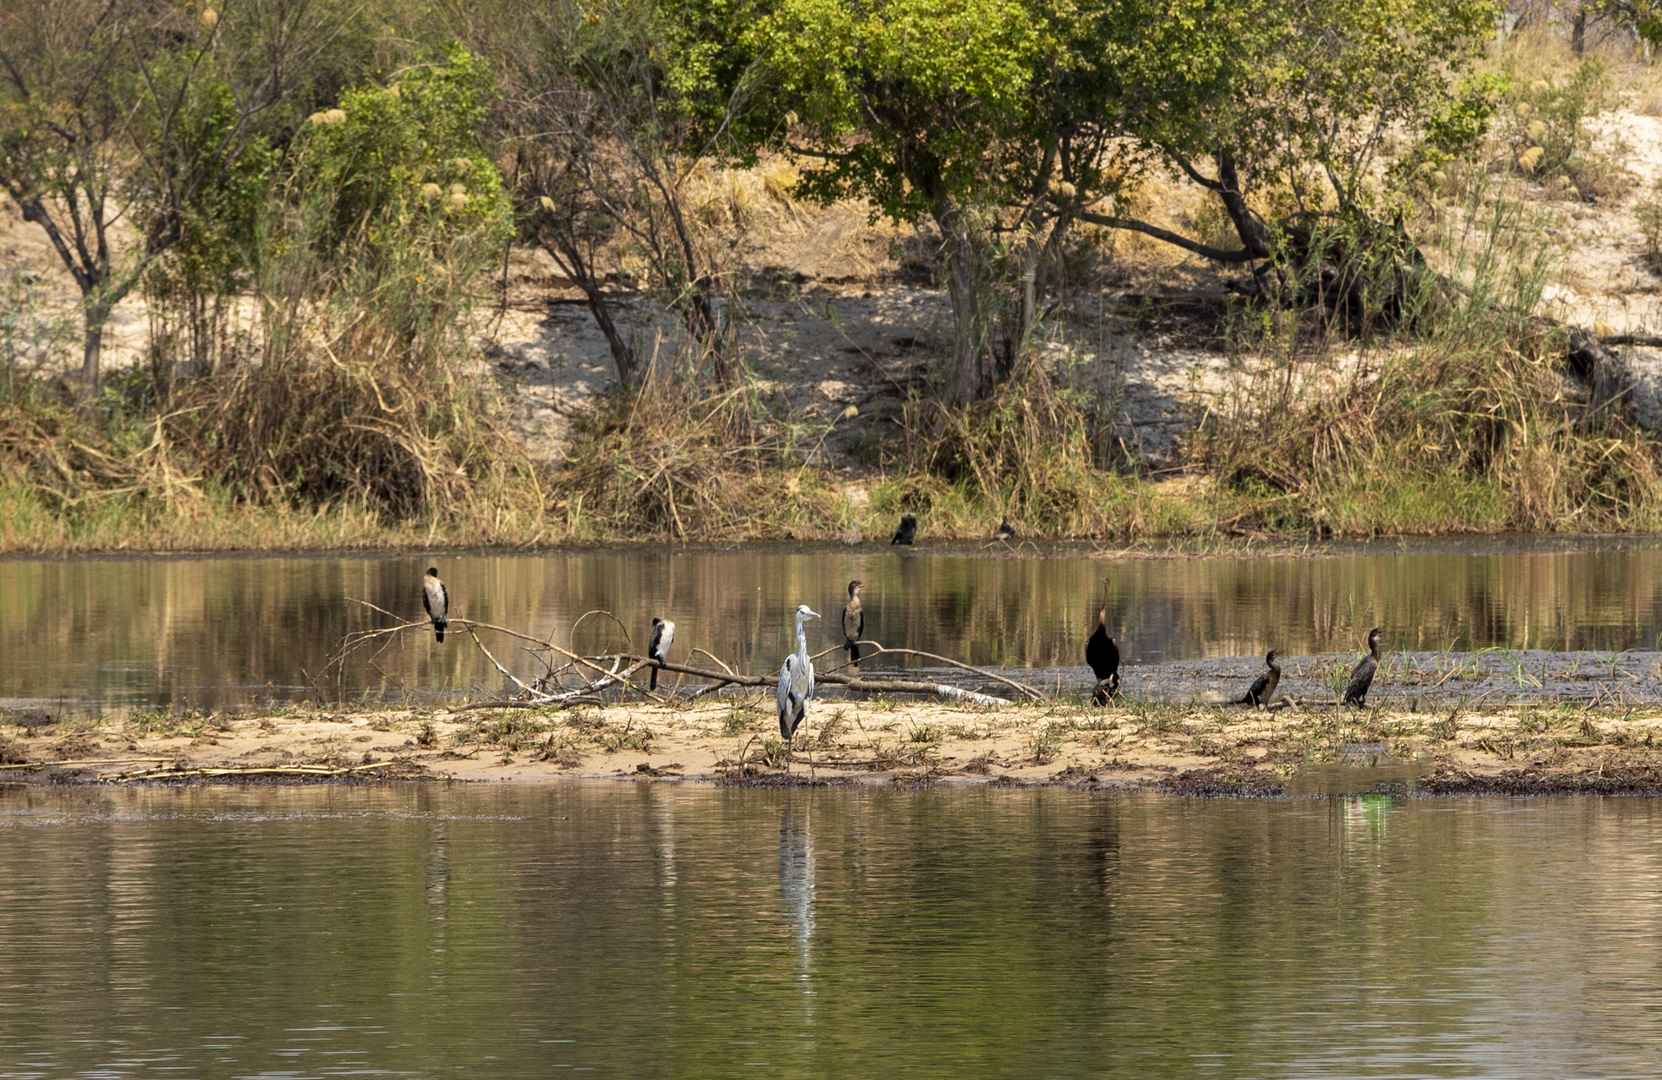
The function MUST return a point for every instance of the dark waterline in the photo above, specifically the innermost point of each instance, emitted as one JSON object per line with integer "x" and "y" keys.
{"x": 244, "y": 630}
{"x": 517, "y": 931}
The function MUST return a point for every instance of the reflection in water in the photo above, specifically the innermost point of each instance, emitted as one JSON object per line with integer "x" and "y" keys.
{"x": 796, "y": 889}
{"x": 238, "y": 630}
{"x": 943, "y": 934}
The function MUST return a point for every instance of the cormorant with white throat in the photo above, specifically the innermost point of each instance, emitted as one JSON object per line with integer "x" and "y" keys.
{"x": 436, "y": 600}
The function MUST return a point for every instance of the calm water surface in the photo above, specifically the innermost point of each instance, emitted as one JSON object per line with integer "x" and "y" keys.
{"x": 653, "y": 930}
{"x": 227, "y": 631}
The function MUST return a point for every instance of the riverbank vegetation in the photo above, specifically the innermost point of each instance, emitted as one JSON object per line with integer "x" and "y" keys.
{"x": 314, "y": 204}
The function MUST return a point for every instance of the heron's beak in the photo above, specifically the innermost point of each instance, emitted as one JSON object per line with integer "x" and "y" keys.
{"x": 814, "y": 614}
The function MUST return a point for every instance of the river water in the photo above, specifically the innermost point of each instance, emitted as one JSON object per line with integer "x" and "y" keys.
{"x": 182, "y": 632}
{"x": 681, "y": 930}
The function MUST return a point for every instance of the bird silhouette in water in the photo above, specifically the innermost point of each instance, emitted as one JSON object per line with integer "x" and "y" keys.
{"x": 796, "y": 685}
{"x": 657, "y": 645}
{"x": 1005, "y": 531}
{"x": 1103, "y": 655}
{"x": 1263, "y": 687}
{"x": 436, "y": 600}
{"x": 854, "y": 622}
{"x": 1362, "y": 676}
{"x": 907, "y": 530}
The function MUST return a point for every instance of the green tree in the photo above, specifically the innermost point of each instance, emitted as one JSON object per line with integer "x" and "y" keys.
{"x": 1284, "y": 109}
{"x": 929, "y": 110}
{"x": 125, "y": 111}
{"x": 610, "y": 108}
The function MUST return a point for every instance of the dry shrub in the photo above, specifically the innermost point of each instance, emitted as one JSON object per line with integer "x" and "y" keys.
{"x": 369, "y": 409}
{"x": 670, "y": 460}
{"x": 1479, "y": 429}
{"x": 1025, "y": 453}
{"x": 357, "y": 398}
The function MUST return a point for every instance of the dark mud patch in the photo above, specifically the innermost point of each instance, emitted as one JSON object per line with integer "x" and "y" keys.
{"x": 1222, "y": 784}
{"x": 784, "y": 780}
{"x": 1408, "y": 681}
{"x": 1638, "y": 780}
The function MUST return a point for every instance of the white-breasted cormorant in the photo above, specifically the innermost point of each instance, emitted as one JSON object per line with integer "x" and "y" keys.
{"x": 1263, "y": 687}
{"x": 1103, "y": 655}
{"x": 436, "y": 600}
{"x": 1362, "y": 677}
{"x": 657, "y": 646}
{"x": 1005, "y": 531}
{"x": 907, "y": 530}
{"x": 796, "y": 684}
{"x": 854, "y": 621}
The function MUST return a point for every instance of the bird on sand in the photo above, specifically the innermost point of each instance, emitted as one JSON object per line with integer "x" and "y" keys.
{"x": 854, "y": 622}
{"x": 1103, "y": 655}
{"x": 1263, "y": 687}
{"x": 436, "y": 600}
{"x": 796, "y": 684}
{"x": 657, "y": 646}
{"x": 907, "y": 530}
{"x": 1362, "y": 676}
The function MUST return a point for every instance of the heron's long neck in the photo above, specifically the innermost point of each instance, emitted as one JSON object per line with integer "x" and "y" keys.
{"x": 801, "y": 638}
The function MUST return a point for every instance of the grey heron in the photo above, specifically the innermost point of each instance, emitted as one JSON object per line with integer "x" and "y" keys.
{"x": 796, "y": 684}
{"x": 1103, "y": 655}
{"x": 907, "y": 531}
{"x": 854, "y": 621}
{"x": 657, "y": 646}
{"x": 1263, "y": 687}
{"x": 436, "y": 600}
{"x": 1362, "y": 677}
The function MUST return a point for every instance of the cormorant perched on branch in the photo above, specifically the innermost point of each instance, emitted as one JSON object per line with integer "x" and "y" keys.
{"x": 1263, "y": 687}
{"x": 908, "y": 529}
{"x": 657, "y": 646}
{"x": 1103, "y": 655}
{"x": 1362, "y": 677}
{"x": 796, "y": 684}
{"x": 854, "y": 621}
{"x": 436, "y": 600}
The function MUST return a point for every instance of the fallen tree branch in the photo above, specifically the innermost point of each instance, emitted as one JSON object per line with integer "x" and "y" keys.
{"x": 882, "y": 649}
{"x": 853, "y": 682}
{"x": 84, "y": 761}
{"x": 264, "y": 770}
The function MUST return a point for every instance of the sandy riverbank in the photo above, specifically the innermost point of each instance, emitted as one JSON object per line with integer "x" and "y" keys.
{"x": 1186, "y": 749}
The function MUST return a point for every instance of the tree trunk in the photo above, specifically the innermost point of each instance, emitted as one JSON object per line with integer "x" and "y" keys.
{"x": 1578, "y": 31}
{"x": 97, "y": 314}
{"x": 569, "y": 257}
{"x": 966, "y": 370}
{"x": 1254, "y": 237}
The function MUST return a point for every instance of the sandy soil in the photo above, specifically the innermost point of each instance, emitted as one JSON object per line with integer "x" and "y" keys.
{"x": 1223, "y": 751}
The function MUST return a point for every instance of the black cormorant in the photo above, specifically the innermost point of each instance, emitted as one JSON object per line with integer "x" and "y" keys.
{"x": 854, "y": 622}
{"x": 436, "y": 600}
{"x": 1005, "y": 531}
{"x": 1263, "y": 687}
{"x": 1103, "y": 655}
{"x": 1362, "y": 677}
{"x": 657, "y": 646}
{"x": 907, "y": 531}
